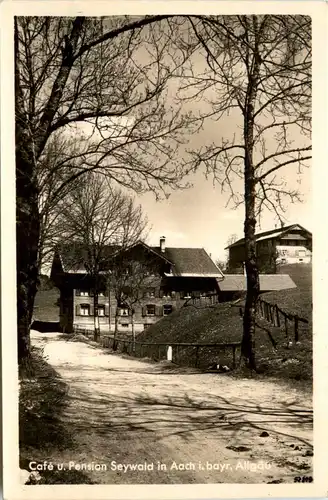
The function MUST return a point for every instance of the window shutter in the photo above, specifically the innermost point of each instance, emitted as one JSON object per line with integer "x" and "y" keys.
{"x": 144, "y": 310}
{"x": 77, "y": 310}
{"x": 161, "y": 293}
{"x": 91, "y": 310}
{"x": 106, "y": 310}
{"x": 159, "y": 311}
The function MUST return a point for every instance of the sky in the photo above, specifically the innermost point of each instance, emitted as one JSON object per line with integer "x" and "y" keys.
{"x": 198, "y": 216}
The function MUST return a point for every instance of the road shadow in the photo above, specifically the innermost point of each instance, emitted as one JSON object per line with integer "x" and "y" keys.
{"x": 125, "y": 408}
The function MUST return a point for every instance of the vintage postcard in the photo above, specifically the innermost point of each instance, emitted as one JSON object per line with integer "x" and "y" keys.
{"x": 163, "y": 304}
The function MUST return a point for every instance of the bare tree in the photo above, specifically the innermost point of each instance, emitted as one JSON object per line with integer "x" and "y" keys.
{"x": 130, "y": 275}
{"x": 111, "y": 75}
{"x": 258, "y": 69}
{"x": 51, "y": 173}
{"x": 232, "y": 239}
{"x": 102, "y": 220}
{"x": 222, "y": 264}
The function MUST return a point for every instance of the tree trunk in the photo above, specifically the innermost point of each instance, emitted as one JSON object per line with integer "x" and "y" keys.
{"x": 27, "y": 219}
{"x": 133, "y": 332}
{"x": 96, "y": 315}
{"x": 252, "y": 274}
{"x": 27, "y": 237}
{"x": 115, "y": 329}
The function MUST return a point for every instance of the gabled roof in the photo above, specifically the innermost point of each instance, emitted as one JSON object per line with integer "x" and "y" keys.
{"x": 74, "y": 255}
{"x": 185, "y": 262}
{"x": 268, "y": 282}
{"x": 273, "y": 233}
{"x": 191, "y": 262}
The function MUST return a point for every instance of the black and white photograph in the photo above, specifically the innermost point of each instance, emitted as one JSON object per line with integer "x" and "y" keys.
{"x": 162, "y": 305}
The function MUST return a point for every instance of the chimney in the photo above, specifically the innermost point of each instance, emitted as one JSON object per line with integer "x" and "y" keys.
{"x": 162, "y": 243}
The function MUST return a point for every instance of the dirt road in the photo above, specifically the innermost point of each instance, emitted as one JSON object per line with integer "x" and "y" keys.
{"x": 145, "y": 423}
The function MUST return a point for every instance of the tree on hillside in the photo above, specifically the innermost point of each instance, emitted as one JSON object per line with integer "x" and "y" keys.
{"x": 102, "y": 81}
{"x": 99, "y": 217}
{"x": 258, "y": 69}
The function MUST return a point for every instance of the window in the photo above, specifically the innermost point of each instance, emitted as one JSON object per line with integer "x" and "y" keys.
{"x": 101, "y": 294}
{"x": 167, "y": 309}
{"x": 301, "y": 253}
{"x": 124, "y": 311}
{"x": 150, "y": 310}
{"x": 186, "y": 295}
{"x": 101, "y": 310}
{"x": 82, "y": 293}
{"x": 125, "y": 325}
{"x": 85, "y": 310}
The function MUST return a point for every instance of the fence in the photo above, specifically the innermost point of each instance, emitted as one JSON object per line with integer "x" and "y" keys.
{"x": 281, "y": 319}
{"x": 206, "y": 300}
{"x": 84, "y": 331}
{"x": 199, "y": 355}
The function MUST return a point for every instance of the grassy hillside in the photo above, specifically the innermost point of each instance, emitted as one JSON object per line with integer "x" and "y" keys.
{"x": 222, "y": 323}
{"x": 45, "y": 307}
{"x": 296, "y": 300}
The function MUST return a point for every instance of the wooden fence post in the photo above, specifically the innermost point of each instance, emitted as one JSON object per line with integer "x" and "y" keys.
{"x": 234, "y": 356}
{"x": 296, "y": 328}
{"x": 286, "y": 327}
{"x": 277, "y": 316}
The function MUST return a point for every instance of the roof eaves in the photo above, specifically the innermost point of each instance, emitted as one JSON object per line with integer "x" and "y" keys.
{"x": 151, "y": 249}
{"x": 267, "y": 234}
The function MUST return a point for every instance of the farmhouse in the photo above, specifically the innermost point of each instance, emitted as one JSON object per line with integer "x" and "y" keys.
{"x": 287, "y": 245}
{"x": 171, "y": 276}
